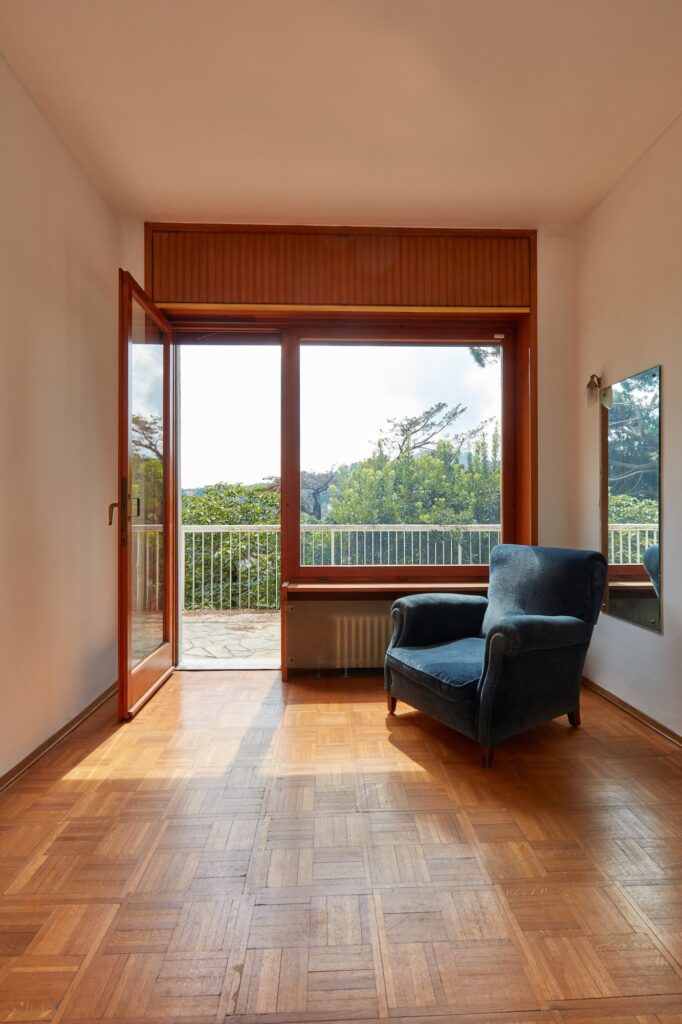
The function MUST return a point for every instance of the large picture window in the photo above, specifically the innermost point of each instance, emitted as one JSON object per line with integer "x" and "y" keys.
{"x": 401, "y": 452}
{"x": 400, "y": 457}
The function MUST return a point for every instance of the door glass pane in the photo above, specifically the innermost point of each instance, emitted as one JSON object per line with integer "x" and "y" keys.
{"x": 400, "y": 454}
{"x": 146, "y": 485}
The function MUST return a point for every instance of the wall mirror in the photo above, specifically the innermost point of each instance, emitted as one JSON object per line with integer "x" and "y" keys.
{"x": 630, "y": 505}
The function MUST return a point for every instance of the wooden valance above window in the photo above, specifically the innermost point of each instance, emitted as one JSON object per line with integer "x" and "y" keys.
{"x": 340, "y": 267}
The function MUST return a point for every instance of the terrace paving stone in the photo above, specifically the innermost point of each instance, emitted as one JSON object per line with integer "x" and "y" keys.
{"x": 245, "y": 639}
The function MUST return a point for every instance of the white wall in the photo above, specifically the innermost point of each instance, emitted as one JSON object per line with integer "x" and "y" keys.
{"x": 58, "y": 388}
{"x": 556, "y": 338}
{"x": 629, "y": 317}
{"x": 131, "y": 248}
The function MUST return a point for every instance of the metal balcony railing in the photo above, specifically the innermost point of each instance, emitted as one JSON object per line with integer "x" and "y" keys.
{"x": 397, "y": 544}
{"x": 224, "y": 568}
{"x": 629, "y": 541}
{"x": 238, "y": 567}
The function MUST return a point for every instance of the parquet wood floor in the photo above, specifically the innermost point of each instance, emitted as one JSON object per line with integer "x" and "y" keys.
{"x": 289, "y": 853}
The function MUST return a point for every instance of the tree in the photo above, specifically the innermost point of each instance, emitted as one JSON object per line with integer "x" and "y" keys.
{"x": 313, "y": 487}
{"x": 147, "y": 435}
{"x": 232, "y": 504}
{"x": 417, "y": 475}
{"x": 419, "y": 433}
{"x": 485, "y": 355}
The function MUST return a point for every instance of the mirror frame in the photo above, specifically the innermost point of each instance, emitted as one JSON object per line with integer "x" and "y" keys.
{"x": 626, "y": 573}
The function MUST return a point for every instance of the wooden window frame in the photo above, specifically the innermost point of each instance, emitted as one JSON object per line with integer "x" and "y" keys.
{"x": 293, "y": 342}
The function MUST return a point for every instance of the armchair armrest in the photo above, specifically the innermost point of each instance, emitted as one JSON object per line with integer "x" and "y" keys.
{"x": 424, "y": 619}
{"x": 521, "y": 633}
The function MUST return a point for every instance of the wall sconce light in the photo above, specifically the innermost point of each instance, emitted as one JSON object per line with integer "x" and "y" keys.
{"x": 594, "y": 391}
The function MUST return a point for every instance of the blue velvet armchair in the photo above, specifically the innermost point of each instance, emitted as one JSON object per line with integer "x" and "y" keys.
{"x": 493, "y": 667}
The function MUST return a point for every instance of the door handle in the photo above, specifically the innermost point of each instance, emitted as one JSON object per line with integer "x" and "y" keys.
{"x": 112, "y": 506}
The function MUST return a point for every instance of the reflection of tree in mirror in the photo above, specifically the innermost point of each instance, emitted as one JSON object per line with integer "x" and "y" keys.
{"x": 633, "y": 438}
{"x": 625, "y": 509}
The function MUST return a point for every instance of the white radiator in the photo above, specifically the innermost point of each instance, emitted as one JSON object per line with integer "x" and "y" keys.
{"x": 361, "y": 640}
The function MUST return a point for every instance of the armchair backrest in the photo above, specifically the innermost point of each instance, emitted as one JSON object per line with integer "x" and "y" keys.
{"x": 544, "y": 581}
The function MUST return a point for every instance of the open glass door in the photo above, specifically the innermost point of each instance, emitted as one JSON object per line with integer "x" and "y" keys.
{"x": 146, "y": 580}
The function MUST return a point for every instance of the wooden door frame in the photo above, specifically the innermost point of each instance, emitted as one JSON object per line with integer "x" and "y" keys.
{"x": 152, "y": 671}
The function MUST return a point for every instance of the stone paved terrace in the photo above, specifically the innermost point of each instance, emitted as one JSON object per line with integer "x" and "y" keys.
{"x": 245, "y": 639}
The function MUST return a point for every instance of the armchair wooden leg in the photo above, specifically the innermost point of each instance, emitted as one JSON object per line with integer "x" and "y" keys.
{"x": 391, "y": 703}
{"x": 574, "y": 718}
{"x": 487, "y": 755}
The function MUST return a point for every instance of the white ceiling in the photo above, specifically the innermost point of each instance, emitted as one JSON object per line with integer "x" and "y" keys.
{"x": 408, "y": 112}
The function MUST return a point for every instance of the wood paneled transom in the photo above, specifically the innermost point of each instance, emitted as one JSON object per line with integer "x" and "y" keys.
{"x": 338, "y": 267}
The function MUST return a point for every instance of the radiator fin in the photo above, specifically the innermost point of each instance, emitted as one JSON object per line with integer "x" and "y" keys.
{"x": 361, "y": 640}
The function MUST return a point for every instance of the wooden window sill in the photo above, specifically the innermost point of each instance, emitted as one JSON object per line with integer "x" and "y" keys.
{"x": 346, "y": 588}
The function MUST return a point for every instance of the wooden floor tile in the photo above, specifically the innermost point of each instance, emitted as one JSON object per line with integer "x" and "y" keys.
{"x": 586, "y": 944}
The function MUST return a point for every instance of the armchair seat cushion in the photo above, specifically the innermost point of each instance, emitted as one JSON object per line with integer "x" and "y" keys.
{"x": 451, "y": 670}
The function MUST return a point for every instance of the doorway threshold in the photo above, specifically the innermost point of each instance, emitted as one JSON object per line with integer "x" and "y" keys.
{"x": 228, "y": 664}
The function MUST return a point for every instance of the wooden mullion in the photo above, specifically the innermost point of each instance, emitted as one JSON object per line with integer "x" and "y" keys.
{"x": 291, "y": 453}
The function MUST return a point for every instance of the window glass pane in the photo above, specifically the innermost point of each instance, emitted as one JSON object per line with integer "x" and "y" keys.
{"x": 400, "y": 454}
{"x": 146, "y": 485}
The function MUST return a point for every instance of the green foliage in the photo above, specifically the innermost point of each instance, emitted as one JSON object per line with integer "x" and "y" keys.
{"x": 232, "y": 570}
{"x": 623, "y": 508}
{"x": 457, "y": 482}
{"x": 420, "y": 472}
{"x": 485, "y": 355}
{"x": 634, "y": 437}
{"x": 235, "y": 504}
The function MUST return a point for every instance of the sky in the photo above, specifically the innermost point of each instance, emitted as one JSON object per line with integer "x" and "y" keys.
{"x": 230, "y": 403}
{"x": 146, "y": 374}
